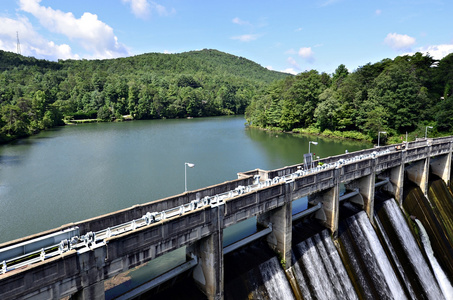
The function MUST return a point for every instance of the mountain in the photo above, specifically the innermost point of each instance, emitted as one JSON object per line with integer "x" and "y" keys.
{"x": 36, "y": 94}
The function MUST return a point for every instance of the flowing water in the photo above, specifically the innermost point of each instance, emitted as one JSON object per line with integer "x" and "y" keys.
{"x": 254, "y": 272}
{"x": 369, "y": 265}
{"x": 444, "y": 283}
{"x": 409, "y": 253}
{"x": 417, "y": 205}
{"x": 275, "y": 281}
{"x": 319, "y": 270}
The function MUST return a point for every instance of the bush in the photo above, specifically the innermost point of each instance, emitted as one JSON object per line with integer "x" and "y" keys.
{"x": 309, "y": 130}
{"x": 80, "y": 115}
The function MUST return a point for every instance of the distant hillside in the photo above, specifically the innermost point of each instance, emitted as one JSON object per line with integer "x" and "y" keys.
{"x": 206, "y": 61}
{"x": 37, "y": 94}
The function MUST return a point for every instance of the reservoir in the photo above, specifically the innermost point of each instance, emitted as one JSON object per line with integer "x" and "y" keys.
{"x": 77, "y": 172}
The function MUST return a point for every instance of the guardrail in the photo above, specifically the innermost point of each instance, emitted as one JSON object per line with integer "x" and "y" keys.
{"x": 90, "y": 238}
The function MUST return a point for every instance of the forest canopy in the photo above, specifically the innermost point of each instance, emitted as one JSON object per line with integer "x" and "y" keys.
{"x": 39, "y": 94}
{"x": 396, "y": 96}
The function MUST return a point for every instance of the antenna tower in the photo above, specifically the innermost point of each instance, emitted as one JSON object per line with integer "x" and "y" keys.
{"x": 18, "y": 43}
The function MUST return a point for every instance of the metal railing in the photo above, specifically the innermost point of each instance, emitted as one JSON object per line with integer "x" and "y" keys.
{"x": 98, "y": 238}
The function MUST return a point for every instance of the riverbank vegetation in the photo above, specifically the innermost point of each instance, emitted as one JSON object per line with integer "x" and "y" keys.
{"x": 406, "y": 94}
{"x": 38, "y": 94}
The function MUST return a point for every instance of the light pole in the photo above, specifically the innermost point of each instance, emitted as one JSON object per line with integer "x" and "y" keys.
{"x": 190, "y": 165}
{"x": 379, "y": 137}
{"x": 309, "y": 143}
{"x": 426, "y": 130}
{"x": 311, "y": 155}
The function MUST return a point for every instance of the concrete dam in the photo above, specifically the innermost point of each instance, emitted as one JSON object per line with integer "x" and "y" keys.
{"x": 375, "y": 227}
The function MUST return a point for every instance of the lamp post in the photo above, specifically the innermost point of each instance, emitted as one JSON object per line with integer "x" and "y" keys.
{"x": 190, "y": 165}
{"x": 379, "y": 137}
{"x": 311, "y": 155}
{"x": 426, "y": 131}
{"x": 309, "y": 143}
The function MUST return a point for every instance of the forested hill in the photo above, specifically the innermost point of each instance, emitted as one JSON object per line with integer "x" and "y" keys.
{"x": 411, "y": 93}
{"x": 37, "y": 94}
{"x": 207, "y": 62}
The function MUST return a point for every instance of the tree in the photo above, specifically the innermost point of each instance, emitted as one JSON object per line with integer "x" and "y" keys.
{"x": 327, "y": 112}
{"x": 15, "y": 122}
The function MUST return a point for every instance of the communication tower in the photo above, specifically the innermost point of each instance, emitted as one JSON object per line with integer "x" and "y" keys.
{"x": 18, "y": 43}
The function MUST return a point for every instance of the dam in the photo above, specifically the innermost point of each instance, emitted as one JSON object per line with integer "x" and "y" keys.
{"x": 74, "y": 260}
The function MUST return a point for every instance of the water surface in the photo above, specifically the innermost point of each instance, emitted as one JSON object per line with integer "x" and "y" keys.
{"x": 77, "y": 172}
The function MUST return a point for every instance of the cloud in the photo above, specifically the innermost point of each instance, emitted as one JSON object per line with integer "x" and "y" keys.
{"x": 91, "y": 33}
{"x": 31, "y": 42}
{"x": 293, "y": 63}
{"x": 142, "y": 8}
{"x": 307, "y": 54}
{"x": 290, "y": 71}
{"x": 239, "y": 21}
{"x": 246, "y": 37}
{"x": 437, "y": 51}
{"x": 399, "y": 41}
{"x": 378, "y": 12}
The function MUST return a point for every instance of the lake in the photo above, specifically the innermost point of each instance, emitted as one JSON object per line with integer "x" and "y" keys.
{"x": 77, "y": 172}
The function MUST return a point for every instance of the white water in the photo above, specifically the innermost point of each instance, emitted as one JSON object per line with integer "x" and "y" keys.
{"x": 375, "y": 258}
{"x": 326, "y": 275}
{"x": 339, "y": 270}
{"x": 444, "y": 283}
{"x": 411, "y": 249}
{"x": 395, "y": 258}
{"x": 275, "y": 280}
{"x": 303, "y": 285}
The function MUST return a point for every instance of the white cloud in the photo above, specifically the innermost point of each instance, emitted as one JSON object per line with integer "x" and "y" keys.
{"x": 270, "y": 68}
{"x": 162, "y": 10}
{"x": 246, "y": 37}
{"x": 437, "y": 51}
{"x": 31, "y": 42}
{"x": 91, "y": 33}
{"x": 307, "y": 53}
{"x": 290, "y": 71}
{"x": 293, "y": 63}
{"x": 240, "y": 22}
{"x": 399, "y": 41}
{"x": 378, "y": 12}
{"x": 142, "y": 8}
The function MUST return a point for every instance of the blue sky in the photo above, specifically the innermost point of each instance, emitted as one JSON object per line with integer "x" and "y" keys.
{"x": 289, "y": 36}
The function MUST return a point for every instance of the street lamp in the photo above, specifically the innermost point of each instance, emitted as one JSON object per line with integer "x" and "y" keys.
{"x": 379, "y": 137}
{"x": 309, "y": 143}
{"x": 311, "y": 155}
{"x": 426, "y": 130}
{"x": 190, "y": 165}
